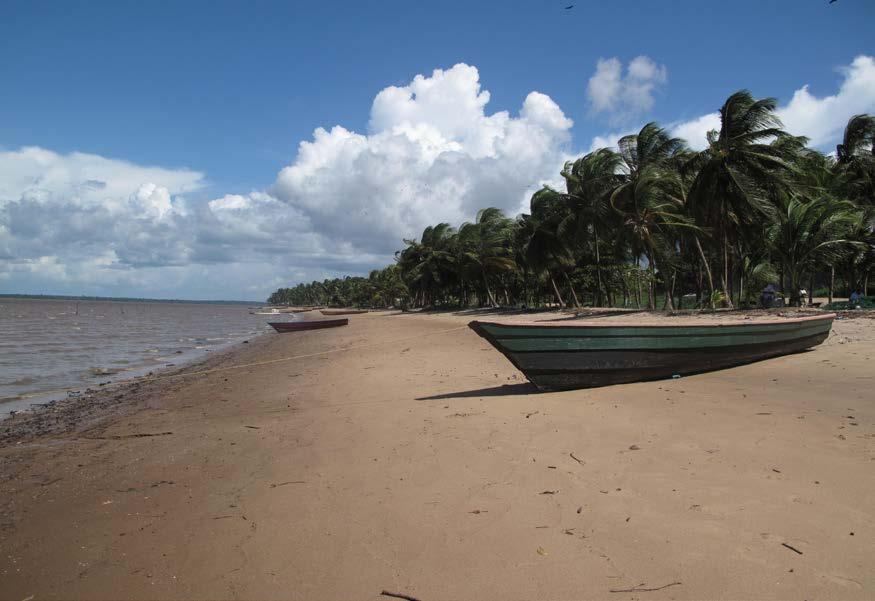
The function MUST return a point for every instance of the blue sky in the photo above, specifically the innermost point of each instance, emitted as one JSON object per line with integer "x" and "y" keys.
{"x": 225, "y": 92}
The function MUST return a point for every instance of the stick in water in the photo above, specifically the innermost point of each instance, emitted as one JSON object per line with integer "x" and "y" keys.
{"x": 638, "y": 589}
{"x": 399, "y": 596}
{"x": 792, "y": 548}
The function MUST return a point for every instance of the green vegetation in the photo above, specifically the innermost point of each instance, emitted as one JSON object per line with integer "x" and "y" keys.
{"x": 867, "y": 302}
{"x": 653, "y": 224}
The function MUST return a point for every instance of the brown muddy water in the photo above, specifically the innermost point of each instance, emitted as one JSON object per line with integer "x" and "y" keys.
{"x": 49, "y": 347}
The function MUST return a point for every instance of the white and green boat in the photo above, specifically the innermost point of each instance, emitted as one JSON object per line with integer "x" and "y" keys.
{"x": 562, "y": 355}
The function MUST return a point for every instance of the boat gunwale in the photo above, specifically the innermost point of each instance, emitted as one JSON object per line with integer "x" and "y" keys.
{"x": 600, "y": 325}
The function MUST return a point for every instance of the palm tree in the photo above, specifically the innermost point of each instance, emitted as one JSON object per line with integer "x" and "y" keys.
{"x": 808, "y": 234}
{"x": 485, "y": 246}
{"x": 855, "y": 159}
{"x": 755, "y": 272}
{"x": 544, "y": 250}
{"x": 428, "y": 265}
{"x": 589, "y": 182}
{"x": 856, "y": 265}
{"x": 858, "y": 139}
{"x": 739, "y": 171}
{"x": 651, "y": 218}
{"x": 650, "y": 197}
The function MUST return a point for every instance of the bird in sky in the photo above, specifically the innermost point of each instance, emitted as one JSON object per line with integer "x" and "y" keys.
{"x": 570, "y": 6}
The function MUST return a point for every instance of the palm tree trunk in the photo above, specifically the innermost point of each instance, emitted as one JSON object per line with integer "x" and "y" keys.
{"x": 571, "y": 287}
{"x": 625, "y": 291}
{"x": 598, "y": 267}
{"x": 794, "y": 288}
{"x": 488, "y": 290}
{"x": 556, "y": 290}
{"x": 725, "y": 282}
{"x": 637, "y": 283}
{"x": 832, "y": 281}
{"x": 707, "y": 267}
{"x": 651, "y": 293}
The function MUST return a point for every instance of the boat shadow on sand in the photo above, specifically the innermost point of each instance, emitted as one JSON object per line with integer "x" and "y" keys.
{"x": 503, "y": 390}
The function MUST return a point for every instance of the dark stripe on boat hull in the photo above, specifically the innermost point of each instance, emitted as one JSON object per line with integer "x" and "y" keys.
{"x": 604, "y": 368}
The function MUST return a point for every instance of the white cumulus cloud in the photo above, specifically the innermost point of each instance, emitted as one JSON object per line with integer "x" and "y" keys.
{"x": 821, "y": 119}
{"x": 624, "y": 97}
{"x": 433, "y": 154}
{"x": 81, "y": 223}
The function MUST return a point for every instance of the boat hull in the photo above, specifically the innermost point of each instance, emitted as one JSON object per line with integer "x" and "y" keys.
{"x": 566, "y": 357}
{"x": 343, "y": 311}
{"x": 312, "y": 324}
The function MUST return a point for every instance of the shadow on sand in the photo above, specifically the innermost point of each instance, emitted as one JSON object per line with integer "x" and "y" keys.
{"x": 503, "y": 390}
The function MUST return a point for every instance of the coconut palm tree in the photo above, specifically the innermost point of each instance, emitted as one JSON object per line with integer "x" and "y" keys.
{"x": 485, "y": 246}
{"x": 544, "y": 249}
{"x": 737, "y": 174}
{"x": 650, "y": 196}
{"x": 652, "y": 217}
{"x": 858, "y": 139}
{"x": 428, "y": 266}
{"x": 589, "y": 182}
{"x": 855, "y": 159}
{"x": 810, "y": 233}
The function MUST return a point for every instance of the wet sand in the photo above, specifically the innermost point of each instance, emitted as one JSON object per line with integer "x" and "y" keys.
{"x": 419, "y": 461}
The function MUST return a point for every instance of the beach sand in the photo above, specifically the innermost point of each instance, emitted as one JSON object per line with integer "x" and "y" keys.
{"x": 420, "y": 461}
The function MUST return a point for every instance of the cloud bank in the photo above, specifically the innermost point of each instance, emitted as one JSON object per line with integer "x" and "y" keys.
{"x": 85, "y": 224}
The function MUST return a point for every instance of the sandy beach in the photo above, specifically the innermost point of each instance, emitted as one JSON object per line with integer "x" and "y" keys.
{"x": 403, "y": 453}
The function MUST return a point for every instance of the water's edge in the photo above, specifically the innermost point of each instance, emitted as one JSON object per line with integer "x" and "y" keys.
{"x": 41, "y": 400}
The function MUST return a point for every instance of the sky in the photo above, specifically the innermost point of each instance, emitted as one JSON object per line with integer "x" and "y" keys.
{"x": 220, "y": 150}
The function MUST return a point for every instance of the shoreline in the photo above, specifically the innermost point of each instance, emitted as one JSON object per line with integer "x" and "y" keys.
{"x": 403, "y": 453}
{"x": 51, "y": 351}
{"x": 59, "y": 412}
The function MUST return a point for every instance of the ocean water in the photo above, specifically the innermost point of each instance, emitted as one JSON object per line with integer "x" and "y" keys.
{"x": 48, "y": 347}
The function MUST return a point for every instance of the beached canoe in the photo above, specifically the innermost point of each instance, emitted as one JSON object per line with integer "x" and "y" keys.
{"x": 343, "y": 311}
{"x": 310, "y": 324}
{"x": 560, "y": 355}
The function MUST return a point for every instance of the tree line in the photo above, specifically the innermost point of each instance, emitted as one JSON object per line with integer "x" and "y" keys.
{"x": 653, "y": 224}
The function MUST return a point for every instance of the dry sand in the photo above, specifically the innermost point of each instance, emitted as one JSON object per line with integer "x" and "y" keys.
{"x": 421, "y": 462}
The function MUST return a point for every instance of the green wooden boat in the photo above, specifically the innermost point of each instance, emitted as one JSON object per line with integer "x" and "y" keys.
{"x": 558, "y": 355}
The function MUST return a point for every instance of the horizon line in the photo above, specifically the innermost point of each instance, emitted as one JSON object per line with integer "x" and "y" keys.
{"x": 81, "y": 297}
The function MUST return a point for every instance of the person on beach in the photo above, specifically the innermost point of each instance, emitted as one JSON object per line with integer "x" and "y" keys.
{"x": 855, "y": 298}
{"x": 767, "y": 297}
